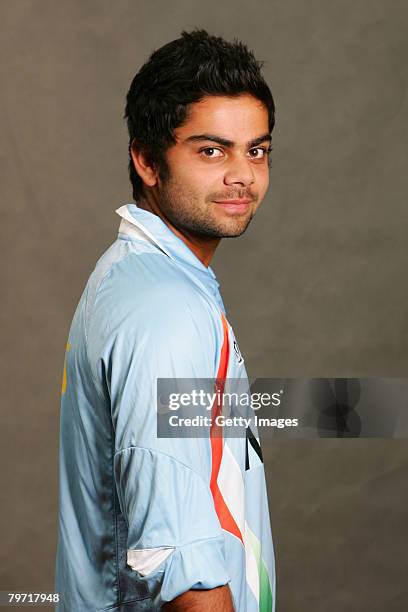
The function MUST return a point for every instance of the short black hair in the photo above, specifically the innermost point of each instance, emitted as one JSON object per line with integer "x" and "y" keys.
{"x": 180, "y": 73}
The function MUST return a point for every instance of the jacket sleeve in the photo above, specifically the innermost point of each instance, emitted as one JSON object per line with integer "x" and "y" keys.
{"x": 175, "y": 542}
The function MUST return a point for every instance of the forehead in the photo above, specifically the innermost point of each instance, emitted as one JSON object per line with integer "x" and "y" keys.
{"x": 240, "y": 118}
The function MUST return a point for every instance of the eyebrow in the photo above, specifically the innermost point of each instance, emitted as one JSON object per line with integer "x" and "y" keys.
{"x": 225, "y": 141}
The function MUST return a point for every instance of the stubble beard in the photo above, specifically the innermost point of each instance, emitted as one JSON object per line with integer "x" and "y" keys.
{"x": 187, "y": 212}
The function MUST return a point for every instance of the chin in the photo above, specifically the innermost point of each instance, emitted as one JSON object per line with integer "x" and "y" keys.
{"x": 234, "y": 230}
{"x": 225, "y": 227}
{"x": 234, "y": 234}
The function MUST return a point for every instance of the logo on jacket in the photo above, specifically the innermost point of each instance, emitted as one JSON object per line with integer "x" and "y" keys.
{"x": 238, "y": 353}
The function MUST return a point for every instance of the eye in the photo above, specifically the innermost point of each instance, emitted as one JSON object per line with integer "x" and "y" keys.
{"x": 259, "y": 152}
{"x": 211, "y": 152}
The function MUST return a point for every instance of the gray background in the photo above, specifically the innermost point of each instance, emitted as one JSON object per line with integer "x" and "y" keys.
{"x": 316, "y": 287}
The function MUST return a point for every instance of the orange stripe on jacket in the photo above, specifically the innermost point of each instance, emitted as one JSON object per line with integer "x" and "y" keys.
{"x": 225, "y": 517}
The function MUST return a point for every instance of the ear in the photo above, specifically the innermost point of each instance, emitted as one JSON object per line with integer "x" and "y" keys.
{"x": 144, "y": 167}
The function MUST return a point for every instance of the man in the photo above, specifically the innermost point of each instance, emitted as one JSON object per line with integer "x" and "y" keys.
{"x": 149, "y": 523}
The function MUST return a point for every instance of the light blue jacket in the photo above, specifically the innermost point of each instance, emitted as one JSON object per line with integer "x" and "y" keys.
{"x": 143, "y": 519}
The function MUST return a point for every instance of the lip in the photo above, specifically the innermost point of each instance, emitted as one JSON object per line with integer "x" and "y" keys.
{"x": 235, "y": 206}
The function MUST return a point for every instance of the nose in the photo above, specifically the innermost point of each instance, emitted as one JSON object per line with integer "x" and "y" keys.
{"x": 239, "y": 172}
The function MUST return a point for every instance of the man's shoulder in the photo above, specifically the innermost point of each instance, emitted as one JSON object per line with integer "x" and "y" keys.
{"x": 133, "y": 284}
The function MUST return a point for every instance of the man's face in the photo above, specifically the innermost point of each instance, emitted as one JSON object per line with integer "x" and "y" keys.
{"x": 218, "y": 167}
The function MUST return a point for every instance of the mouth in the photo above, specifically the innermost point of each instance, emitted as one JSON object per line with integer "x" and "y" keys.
{"x": 237, "y": 206}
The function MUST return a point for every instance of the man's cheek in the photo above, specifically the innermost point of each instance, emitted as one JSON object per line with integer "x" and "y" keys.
{"x": 264, "y": 184}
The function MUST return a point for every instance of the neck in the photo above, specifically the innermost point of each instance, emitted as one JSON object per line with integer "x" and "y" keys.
{"x": 203, "y": 247}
